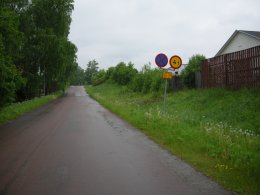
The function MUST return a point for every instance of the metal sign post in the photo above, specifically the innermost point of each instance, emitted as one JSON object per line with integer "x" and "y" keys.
{"x": 161, "y": 61}
{"x": 164, "y": 95}
{"x": 166, "y": 75}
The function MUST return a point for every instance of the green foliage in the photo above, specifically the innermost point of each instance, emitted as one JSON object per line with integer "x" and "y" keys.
{"x": 149, "y": 80}
{"x": 10, "y": 41}
{"x": 109, "y": 72}
{"x": 37, "y": 42}
{"x": 188, "y": 74}
{"x": 215, "y": 130}
{"x": 91, "y": 70}
{"x": 78, "y": 78}
{"x": 123, "y": 73}
{"x": 99, "y": 78}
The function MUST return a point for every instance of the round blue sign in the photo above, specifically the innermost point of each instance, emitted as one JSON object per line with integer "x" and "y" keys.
{"x": 161, "y": 60}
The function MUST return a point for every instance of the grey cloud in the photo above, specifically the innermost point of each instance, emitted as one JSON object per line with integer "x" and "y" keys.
{"x": 137, "y": 30}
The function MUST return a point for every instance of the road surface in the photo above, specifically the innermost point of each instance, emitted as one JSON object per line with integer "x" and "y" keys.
{"x": 73, "y": 145}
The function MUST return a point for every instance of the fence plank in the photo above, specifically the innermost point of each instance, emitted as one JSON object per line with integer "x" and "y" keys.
{"x": 232, "y": 70}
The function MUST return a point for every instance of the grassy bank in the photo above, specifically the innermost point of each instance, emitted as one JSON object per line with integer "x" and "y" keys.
{"x": 14, "y": 110}
{"x": 215, "y": 130}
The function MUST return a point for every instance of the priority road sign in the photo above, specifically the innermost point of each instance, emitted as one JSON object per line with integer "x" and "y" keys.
{"x": 175, "y": 62}
{"x": 161, "y": 60}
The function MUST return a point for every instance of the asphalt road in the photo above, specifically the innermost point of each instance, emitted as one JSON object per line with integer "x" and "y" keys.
{"x": 73, "y": 145}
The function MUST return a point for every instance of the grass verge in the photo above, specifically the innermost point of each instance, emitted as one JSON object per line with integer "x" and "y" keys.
{"x": 16, "y": 109}
{"x": 215, "y": 130}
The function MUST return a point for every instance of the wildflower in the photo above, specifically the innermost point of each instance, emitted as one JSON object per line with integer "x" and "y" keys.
{"x": 220, "y": 122}
{"x": 203, "y": 116}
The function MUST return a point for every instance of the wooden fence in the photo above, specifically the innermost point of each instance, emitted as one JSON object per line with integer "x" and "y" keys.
{"x": 176, "y": 83}
{"x": 232, "y": 70}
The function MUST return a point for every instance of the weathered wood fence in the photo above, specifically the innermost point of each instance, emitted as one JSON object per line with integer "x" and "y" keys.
{"x": 233, "y": 70}
{"x": 176, "y": 83}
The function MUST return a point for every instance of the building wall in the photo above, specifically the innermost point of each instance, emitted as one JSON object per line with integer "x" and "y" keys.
{"x": 241, "y": 42}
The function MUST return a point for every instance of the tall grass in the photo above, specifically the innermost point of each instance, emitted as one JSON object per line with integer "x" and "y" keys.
{"x": 215, "y": 130}
{"x": 16, "y": 109}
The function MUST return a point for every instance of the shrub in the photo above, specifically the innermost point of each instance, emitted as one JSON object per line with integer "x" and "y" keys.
{"x": 188, "y": 74}
{"x": 123, "y": 73}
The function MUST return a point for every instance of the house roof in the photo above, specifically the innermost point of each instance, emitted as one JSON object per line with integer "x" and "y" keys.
{"x": 255, "y": 34}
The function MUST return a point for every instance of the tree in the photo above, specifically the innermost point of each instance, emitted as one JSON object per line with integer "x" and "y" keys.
{"x": 91, "y": 70}
{"x": 47, "y": 53}
{"x": 188, "y": 74}
{"x": 10, "y": 42}
{"x": 38, "y": 42}
{"x": 78, "y": 78}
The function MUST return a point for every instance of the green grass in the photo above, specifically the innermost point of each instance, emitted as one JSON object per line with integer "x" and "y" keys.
{"x": 16, "y": 109}
{"x": 215, "y": 130}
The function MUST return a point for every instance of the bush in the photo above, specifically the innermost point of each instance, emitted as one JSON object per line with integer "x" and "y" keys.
{"x": 148, "y": 80}
{"x": 99, "y": 78}
{"x": 188, "y": 74}
{"x": 123, "y": 73}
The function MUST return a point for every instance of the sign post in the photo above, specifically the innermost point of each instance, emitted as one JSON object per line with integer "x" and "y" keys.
{"x": 166, "y": 75}
{"x": 161, "y": 60}
{"x": 164, "y": 95}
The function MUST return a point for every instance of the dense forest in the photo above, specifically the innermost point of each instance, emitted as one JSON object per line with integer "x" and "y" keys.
{"x": 36, "y": 56}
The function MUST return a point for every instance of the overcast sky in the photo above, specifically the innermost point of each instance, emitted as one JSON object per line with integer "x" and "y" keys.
{"x": 111, "y": 31}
